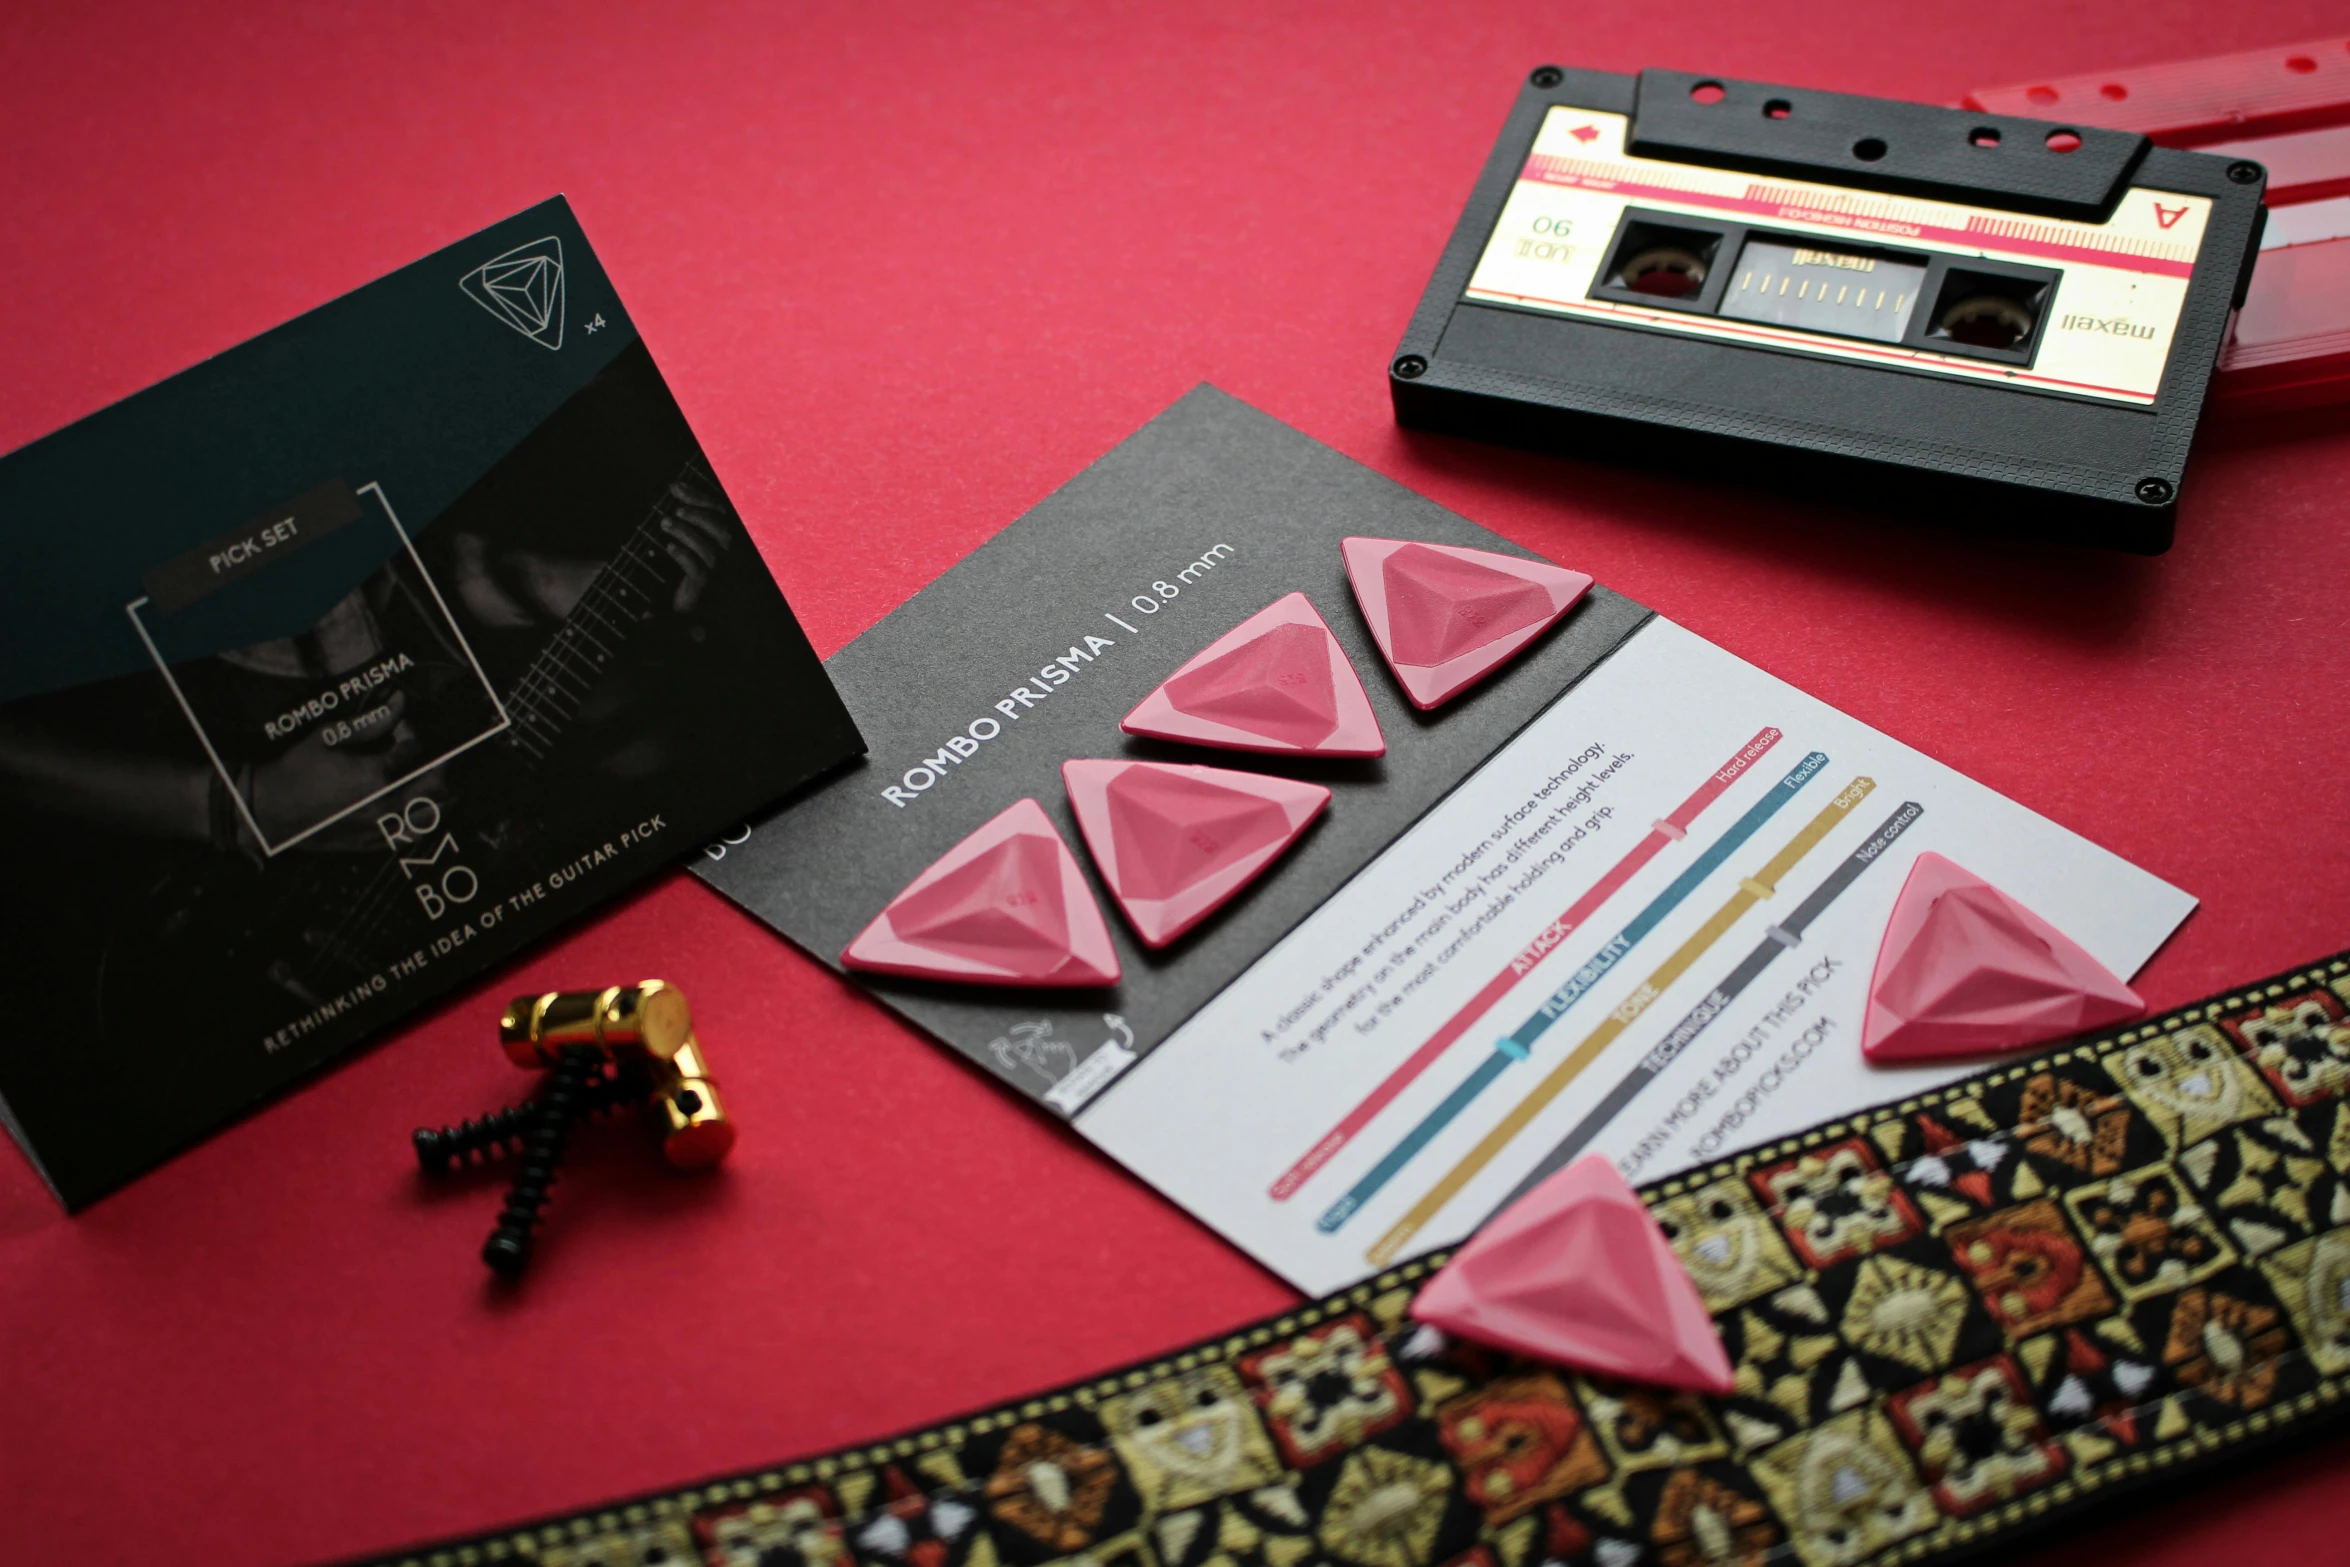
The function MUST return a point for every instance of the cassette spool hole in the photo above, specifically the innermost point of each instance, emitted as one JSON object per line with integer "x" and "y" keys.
{"x": 1988, "y": 314}
{"x": 1985, "y": 321}
{"x": 1663, "y": 262}
{"x": 1667, "y": 270}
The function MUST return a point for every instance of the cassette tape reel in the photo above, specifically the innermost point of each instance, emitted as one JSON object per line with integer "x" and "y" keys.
{"x": 1925, "y": 310}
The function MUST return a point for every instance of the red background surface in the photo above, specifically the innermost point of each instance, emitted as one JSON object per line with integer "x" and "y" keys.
{"x": 909, "y": 268}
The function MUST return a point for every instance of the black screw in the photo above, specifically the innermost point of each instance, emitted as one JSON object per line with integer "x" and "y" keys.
{"x": 440, "y": 1150}
{"x": 2154, "y": 491}
{"x": 1410, "y": 367}
{"x": 2245, "y": 172}
{"x": 507, "y": 1250}
{"x": 1547, "y": 76}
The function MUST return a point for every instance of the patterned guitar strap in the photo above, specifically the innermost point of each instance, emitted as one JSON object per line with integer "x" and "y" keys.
{"x": 1954, "y": 1319}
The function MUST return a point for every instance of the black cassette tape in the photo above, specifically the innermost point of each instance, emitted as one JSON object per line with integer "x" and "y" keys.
{"x": 1922, "y": 309}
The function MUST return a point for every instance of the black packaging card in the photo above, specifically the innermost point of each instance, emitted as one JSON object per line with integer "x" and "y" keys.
{"x": 1029, "y": 652}
{"x": 337, "y": 668}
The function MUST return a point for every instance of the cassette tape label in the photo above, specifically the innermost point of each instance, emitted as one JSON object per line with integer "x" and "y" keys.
{"x": 1841, "y": 292}
{"x": 2075, "y": 308}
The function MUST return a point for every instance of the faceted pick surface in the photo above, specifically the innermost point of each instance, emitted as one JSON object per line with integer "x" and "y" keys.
{"x": 1278, "y": 681}
{"x": 1006, "y": 906}
{"x": 1175, "y": 842}
{"x": 1447, "y": 617}
{"x": 1577, "y": 1272}
{"x": 1964, "y": 969}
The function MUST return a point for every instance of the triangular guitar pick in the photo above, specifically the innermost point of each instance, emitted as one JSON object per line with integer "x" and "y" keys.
{"x": 1577, "y": 1272}
{"x": 1278, "y": 681}
{"x": 1965, "y": 969}
{"x": 1006, "y": 906}
{"x": 1174, "y": 842}
{"x": 1447, "y": 617}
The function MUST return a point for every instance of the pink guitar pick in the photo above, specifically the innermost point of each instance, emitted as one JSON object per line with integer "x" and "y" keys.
{"x": 1964, "y": 969}
{"x": 1278, "y": 681}
{"x": 1446, "y": 617}
{"x": 1006, "y": 906}
{"x": 1175, "y": 842}
{"x": 1577, "y": 1272}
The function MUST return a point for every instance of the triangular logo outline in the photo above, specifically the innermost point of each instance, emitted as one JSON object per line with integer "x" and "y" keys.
{"x": 524, "y": 295}
{"x": 524, "y": 289}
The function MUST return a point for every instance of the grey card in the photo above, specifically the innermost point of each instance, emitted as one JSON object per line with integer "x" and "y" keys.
{"x": 1028, "y": 653}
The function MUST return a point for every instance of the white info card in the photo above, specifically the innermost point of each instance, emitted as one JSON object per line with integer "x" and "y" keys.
{"x": 1644, "y": 929}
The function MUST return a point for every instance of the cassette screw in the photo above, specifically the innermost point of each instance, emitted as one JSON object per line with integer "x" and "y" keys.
{"x": 1547, "y": 76}
{"x": 1410, "y": 367}
{"x": 2245, "y": 172}
{"x": 2154, "y": 491}
{"x": 507, "y": 1250}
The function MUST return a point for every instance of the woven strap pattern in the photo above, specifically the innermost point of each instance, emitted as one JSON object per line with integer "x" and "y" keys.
{"x": 1952, "y": 1318}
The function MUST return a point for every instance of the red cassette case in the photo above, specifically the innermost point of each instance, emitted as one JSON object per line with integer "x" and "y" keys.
{"x": 2288, "y": 108}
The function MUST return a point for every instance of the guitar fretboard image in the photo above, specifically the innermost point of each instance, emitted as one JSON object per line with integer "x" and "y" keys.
{"x": 624, "y": 594}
